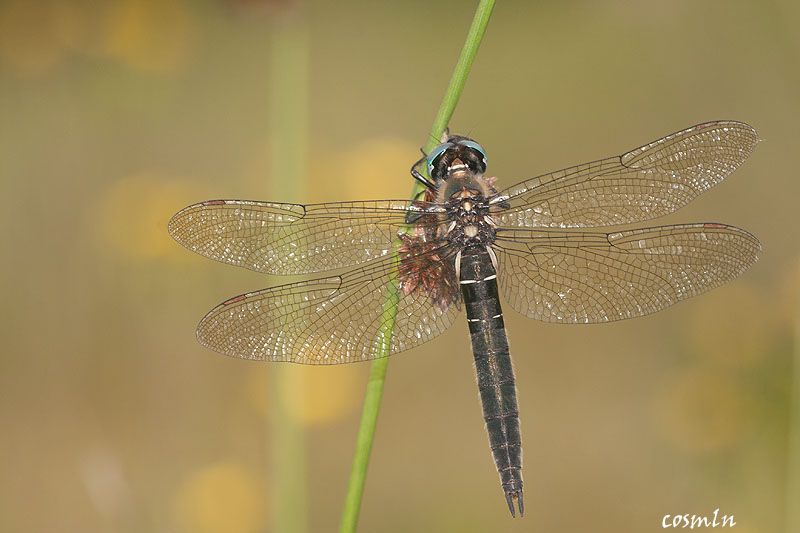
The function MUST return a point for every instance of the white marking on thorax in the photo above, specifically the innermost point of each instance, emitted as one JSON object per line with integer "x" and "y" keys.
{"x": 470, "y": 231}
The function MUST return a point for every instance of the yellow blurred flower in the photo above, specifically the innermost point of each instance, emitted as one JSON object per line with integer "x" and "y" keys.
{"x": 220, "y": 498}
{"x": 145, "y": 34}
{"x": 732, "y": 327}
{"x": 36, "y": 36}
{"x": 150, "y": 34}
{"x": 313, "y": 395}
{"x": 132, "y": 219}
{"x": 703, "y": 410}
{"x": 373, "y": 169}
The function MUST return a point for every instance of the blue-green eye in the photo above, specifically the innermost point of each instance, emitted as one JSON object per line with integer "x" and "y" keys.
{"x": 435, "y": 154}
{"x": 477, "y": 147}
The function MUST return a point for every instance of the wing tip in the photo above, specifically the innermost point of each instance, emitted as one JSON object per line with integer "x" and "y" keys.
{"x": 178, "y": 220}
{"x": 746, "y": 133}
{"x": 714, "y": 124}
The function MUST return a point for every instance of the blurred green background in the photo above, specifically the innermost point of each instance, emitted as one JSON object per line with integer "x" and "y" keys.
{"x": 114, "y": 115}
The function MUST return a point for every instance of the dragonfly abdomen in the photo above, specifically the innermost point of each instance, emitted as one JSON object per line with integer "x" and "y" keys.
{"x": 478, "y": 280}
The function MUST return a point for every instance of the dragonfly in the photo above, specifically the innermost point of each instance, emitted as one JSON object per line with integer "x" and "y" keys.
{"x": 398, "y": 273}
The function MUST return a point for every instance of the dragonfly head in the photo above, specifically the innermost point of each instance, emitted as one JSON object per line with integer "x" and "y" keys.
{"x": 457, "y": 155}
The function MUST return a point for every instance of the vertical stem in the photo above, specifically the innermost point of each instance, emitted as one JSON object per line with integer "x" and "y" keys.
{"x": 377, "y": 377}
{"x": 288, "y": 128}
{"x": 793, "y": 467}
{"x": 456, "y": 86}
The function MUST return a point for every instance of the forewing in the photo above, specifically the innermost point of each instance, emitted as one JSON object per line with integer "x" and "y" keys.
{"x": 330, "y": 320}
{"x": 648, "y": 182}
{"x": 288, "y": 239}
{"x": 572, "y": 277}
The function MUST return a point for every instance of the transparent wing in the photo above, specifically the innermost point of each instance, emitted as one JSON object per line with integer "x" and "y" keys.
{"x": 648, "y": 182}
{"x": 288, "y": 239}
{"x": 330, "y": 320}
{"x": 572, "y": 277}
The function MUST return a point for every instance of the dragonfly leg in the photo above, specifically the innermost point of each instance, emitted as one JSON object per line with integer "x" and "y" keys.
{"x": 420, "y": 178}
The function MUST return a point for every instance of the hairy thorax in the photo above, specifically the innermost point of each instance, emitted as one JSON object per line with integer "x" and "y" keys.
{"x": 466, "y": 196}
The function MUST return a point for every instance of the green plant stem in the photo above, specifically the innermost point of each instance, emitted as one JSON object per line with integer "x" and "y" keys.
{"x": 377, "y": 376}
{"x": 288, "y": 130}
{"x": 793, "y": 467}
{"x": 474, "y": 37}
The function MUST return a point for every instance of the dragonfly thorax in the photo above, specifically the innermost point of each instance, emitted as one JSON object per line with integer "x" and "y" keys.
{"x": 470, "y": 221}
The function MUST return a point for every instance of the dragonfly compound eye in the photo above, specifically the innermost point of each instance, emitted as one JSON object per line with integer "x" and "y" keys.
{"x": 477, "y": 148}
{"x": 436, "y": 154}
